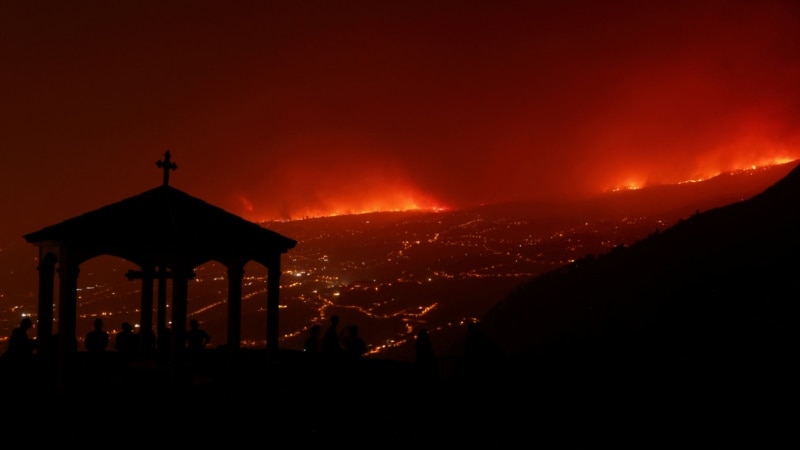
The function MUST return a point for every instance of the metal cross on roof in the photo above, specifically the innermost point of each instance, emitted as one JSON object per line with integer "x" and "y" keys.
{"x": 167, "y": 165}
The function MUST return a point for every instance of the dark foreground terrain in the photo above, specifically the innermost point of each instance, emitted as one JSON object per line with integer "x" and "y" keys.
{"x": 572, "y": 402}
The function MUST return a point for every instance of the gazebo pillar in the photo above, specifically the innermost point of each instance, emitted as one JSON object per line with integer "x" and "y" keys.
{"x": 273, "y": 304}
{"x": 180, "y": 298}
{"x": 67, "y": 315}
{"x": 44, "y": 328}
{"x": 235, "y": 277}
{"x": 161, "y": 311}
{"x": 148, "y": 274}
{"x": 146, "y": 313}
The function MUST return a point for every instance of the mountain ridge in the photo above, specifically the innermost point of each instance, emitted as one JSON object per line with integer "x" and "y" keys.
{"x": 716, "y": 291}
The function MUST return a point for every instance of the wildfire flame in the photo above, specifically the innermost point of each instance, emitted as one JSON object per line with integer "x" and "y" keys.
{"x": 634, "y": 182}
{"x": 375, "y": 199}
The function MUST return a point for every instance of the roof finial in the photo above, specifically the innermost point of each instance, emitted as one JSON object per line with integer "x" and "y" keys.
{"x": 167, "y": 165}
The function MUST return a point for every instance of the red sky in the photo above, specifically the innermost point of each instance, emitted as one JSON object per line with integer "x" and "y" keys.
{"x": 288, "y": 108}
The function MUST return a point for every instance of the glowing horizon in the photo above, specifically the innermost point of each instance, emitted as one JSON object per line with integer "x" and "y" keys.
{"x": 412, "y": 200}
{"x": 633, "y": 183}
{"x": 385, "y": 199}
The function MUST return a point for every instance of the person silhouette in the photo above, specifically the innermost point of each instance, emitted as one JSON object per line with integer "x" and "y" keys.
{"x": 163, "y": 345}
{"x": 481, "y": 356}
{"x": 353, "y": 345}
{"x": 331, "y": 346}
{"x": 424, "y": 357}
{"x": 196, "y": 339}
{"x": 97, "y": 339}
{"x": 311, "y": 345}
{"x": 126, "y": 341}
{"x": 20, "y": 346}
{"x": 18, "y": 357}
{"x": 147, "y": 342}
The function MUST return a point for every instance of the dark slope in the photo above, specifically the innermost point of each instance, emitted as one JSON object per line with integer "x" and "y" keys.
{"x": 715, "y": 296}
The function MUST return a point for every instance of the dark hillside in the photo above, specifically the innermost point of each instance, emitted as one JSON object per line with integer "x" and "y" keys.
{"x": 714, "y": 296}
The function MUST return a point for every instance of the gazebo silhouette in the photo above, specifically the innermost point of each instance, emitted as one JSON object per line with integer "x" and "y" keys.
{"x": 167, "y": 234}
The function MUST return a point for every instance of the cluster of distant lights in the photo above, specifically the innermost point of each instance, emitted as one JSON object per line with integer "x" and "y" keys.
{"x": 752, "y": 168}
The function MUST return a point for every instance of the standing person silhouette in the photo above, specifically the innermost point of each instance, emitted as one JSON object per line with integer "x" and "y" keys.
{"x": 425, "y": 358}
{"x": 481, "y": 356}
{"x": 20, "y": 346}
{"x": 147, "y": 342}
{"x": 331, "y": 347}
{"x": 312, "y": 343}
{"x": 18, "y": 357}
{"x": 354, "y": 345}
{"x": 196, "y": 339}
{"x": 163, "y": 344}
{"x": 97, "y": 339}
{"x": 127, "y": 342}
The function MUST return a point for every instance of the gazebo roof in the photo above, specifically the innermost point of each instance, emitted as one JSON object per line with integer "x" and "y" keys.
{"x": 160, "y": 226}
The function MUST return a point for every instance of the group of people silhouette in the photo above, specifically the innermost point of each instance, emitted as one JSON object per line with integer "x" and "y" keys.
{"x": 481, "y": 356}
{"x": 335, "y": 344}
{"x": 126, "y": 342}
{"x": 98, "y": 340}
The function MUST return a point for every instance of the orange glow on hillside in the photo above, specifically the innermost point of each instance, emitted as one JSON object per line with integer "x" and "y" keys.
{"x": 383, "y": 195}
{"x": 634, "y": 182}
{"x": 385, "y": 202}
{"x": 246, "y": 204}
{"x": 377, "y": 198}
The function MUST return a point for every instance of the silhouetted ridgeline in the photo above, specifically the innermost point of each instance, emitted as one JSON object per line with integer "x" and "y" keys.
{"x": 715, "y": 293}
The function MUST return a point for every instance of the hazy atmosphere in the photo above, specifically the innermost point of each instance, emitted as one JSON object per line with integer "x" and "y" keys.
{"x": 292, "y": 109}
{"x": 505, "y": 236}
